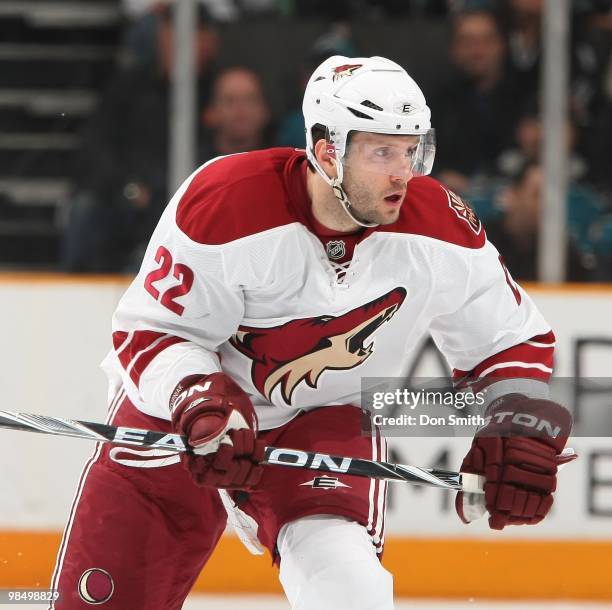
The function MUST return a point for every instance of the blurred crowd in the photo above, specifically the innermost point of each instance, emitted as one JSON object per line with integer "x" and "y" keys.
{"x": 486, "y": 113}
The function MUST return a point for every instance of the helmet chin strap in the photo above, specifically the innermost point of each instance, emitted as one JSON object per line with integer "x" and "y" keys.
{"x": 340, "y": 193}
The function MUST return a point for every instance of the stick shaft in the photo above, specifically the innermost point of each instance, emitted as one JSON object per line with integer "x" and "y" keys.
{"x": 291, "y": 458}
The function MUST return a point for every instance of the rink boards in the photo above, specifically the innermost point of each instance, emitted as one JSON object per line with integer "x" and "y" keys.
{"x": 56, "y": 330}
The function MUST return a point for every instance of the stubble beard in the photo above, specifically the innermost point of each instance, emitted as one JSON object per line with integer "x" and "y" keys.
{"x": 365, "y": 203}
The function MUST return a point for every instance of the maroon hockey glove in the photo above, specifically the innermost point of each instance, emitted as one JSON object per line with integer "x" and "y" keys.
{"x": 518, "y": 452}
{"x": 220, "y": 423}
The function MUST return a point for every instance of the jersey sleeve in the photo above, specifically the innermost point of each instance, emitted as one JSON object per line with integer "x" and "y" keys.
{"x": 173, "y": 317}
{"x": 493, "y": 329}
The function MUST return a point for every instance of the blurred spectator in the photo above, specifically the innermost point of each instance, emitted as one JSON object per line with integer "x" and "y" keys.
{"x": 515, "y": 232}
{"x": 238, "y": 116}
{"x": 140, "y": 44}
{"x": 585, "y": 203}
{"x": 528, "y": 149}
{"x": 121, "y": 183}
{"x": 138, "y": 8}
{"x": 597, "y": 134}
{"x": 220, "y": 10}
{"x": 337, "y": 40}
{"x": 375, "y": 9}
{"x": 524, "y": 19}
{"x": 475, "y": 114}
{"x": 588, "y": 52}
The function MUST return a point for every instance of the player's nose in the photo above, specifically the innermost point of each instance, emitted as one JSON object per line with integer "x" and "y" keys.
{"x": 401, "y": 178}
{"x": 402, "y": 172}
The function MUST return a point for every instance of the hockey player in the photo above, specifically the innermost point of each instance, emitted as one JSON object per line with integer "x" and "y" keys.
{"x": 273, "y": 283}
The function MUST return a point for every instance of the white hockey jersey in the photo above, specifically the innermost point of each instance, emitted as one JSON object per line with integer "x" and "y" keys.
{"x": 235, "y": 279}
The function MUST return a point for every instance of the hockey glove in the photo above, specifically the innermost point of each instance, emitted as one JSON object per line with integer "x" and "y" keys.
{"x": 518, "y": 452}
{"x": 221, "y": 426}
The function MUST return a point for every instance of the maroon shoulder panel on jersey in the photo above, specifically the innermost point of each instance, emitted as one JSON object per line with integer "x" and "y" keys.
{"x": 236, "y": 196}
{"x": 433, "y": 210}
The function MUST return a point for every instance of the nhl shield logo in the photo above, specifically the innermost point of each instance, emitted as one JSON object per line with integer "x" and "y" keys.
{"x": 336, "y": 249}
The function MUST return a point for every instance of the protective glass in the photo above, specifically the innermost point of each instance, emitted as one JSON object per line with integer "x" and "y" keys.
{"x": 391, "y": 154}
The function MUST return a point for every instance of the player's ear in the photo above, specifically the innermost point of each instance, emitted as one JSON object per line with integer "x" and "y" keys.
{"x": 325, "y": 158}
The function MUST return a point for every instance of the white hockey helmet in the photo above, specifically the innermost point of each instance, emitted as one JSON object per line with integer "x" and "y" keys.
{"x": 370, "y": 94}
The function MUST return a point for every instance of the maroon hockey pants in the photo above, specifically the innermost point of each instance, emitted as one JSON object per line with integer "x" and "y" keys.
{"x": 137, "y": 537}
{"x": 140, "y": 530}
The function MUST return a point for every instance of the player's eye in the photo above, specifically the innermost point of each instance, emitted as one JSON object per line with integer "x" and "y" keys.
{"x": 383, "y": 153}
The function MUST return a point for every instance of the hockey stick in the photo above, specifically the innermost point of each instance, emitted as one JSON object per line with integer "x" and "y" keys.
{"x": 293, "y": 458}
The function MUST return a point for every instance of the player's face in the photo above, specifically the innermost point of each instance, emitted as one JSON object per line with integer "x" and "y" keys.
{"x": 377, "y": 169}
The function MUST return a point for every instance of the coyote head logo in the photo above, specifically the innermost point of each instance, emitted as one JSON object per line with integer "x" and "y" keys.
{"x": 300, "y": 350}
{"x": 345, "y": 70}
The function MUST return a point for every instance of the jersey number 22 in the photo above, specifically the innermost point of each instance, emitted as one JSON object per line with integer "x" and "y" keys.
{"x": 181, "y": 272}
